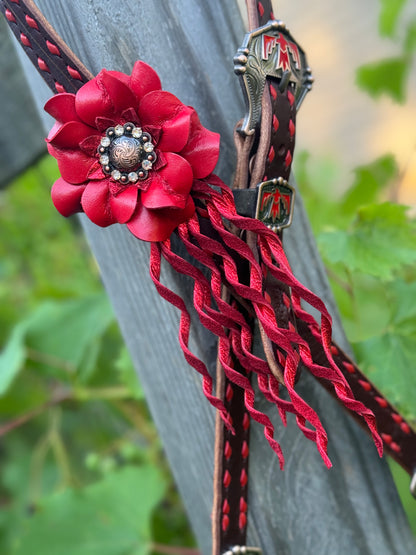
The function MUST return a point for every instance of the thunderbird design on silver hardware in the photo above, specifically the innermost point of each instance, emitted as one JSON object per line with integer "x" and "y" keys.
{"x": 270, "y": 51}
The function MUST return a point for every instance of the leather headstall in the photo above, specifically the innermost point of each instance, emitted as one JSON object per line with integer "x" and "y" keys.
{"x": 275, "y": 78}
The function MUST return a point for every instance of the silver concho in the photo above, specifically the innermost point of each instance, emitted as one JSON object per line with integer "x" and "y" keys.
{"x": 270, "y": 51}
{"x": 125, "y": 153}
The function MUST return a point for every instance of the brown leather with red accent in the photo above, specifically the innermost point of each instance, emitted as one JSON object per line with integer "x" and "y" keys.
{"x": 231, "y": 453}
{"x": 398, "y": 436}
{"x": 231, "y": 498}
{"x": 282, "y": 143}
{"x": 56, "y": 63}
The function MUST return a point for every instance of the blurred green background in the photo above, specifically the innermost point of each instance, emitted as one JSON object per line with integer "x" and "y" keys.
{"x": 82, "y": 468}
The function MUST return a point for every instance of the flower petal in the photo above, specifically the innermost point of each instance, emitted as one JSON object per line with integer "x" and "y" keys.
{"x": 70, "y": 134}
{"x": 90, "y": 145}
{"x": 104, "y": 96}
{"x": 157, "y": 225}
{"x": 175, "y": 132}
{"x": 62, "y": 107}
{"x": 171, "y": 185}
{"x": 202, "y": 150}
{"x": 163, "y": 109}
{"x": 67, "y": 197}
{"x": 120, "y": 76}
{"x": 124, "y": 204}
{"x": 96, "y": 203}
{"x": 73, "y": 165}
{"x": 143, "y": 80}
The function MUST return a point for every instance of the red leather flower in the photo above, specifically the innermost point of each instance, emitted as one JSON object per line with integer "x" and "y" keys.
{"x": 128, "y": 152}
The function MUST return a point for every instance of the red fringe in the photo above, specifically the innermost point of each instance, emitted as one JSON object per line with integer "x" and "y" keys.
{"x": 233, "y": 326}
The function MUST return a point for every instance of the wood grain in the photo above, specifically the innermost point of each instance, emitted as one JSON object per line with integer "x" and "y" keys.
{"x": 351, "y": 509}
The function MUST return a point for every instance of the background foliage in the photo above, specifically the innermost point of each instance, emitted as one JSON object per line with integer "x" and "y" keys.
{"x": 82, "y": 468}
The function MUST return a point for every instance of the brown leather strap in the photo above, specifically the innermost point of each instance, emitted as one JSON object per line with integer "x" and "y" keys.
{"x": 232, "y": 451}
{"x": 56, "y": 63}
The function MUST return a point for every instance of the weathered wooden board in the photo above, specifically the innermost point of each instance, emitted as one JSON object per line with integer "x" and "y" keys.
{"x": 21, "y": 138}
{"x": 351, "y": 509}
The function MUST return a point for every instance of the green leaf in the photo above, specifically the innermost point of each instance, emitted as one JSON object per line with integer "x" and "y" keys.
{"x": 389, "y": 361}
{"x": 110, "y": 517}
{"x": 389, "y": 14}
{"x": 381, "y": 241}
{"x": 65, "y": 330}
{"x": 369, "y": 181}
{"x": 384, "y": 77}
{"x": 12, "y": 358}
{"x": 60, "y": 335}
{"x": 389, "y": 355}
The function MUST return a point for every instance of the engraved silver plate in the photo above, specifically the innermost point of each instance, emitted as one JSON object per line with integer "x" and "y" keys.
{"x": 270, "y": 51}
{"x": 275, "y": 203}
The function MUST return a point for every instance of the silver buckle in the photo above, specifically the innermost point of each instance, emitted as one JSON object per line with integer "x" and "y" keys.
{"x": 270, "y": 51}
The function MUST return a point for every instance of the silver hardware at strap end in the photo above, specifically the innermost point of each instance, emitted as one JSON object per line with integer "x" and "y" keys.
{"x": 413, "y": 484}
{"x": 243, "y": 550}
{"x": 270, "y": 51}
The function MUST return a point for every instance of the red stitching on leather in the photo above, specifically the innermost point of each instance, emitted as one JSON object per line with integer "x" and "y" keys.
{"x": 31, "y": 22}
{"x": 271, "y": 155}
{"x": 397, "y": 418}
{"x": 275, "y": 123}
{"x": 245, "y": 450}
{"x": 246, "y": 421}
{"x": 273, "y": 92}
{"x": 348, "y": 367}
{"x": 229, "y": 392}
{"x": 291, "y": 128}
{"x": 365, "y": 385}
{"x": 286, "y": 300}
{"x": 226, "y": 479}
{"x": 59, "y": 88}
{"x": 260, "y": 9}
{"x": 405, "y": 427}
{"x": 243, "y": 478}
{"x": 53, "y": 49}
{"x": 334, "y": 350}
{"x": 291, "y": 98}
{"x": 24, "y": 40}
{"x": 225, "y": 522}
{"x": 382, "y": 402}
{"x": 243, "y": 505}
{"x": 242, "y": 520}
{"x": 227, "y": 450}
{"x": 387, "y": 438}
{"x": 226, "y": 507}
{"x": 272, "y": 15}
{"x": 43, "y": 65}
{"x": 74, "y": 73}
{"x": 10, "y": 16}
{"x": 288, "y": 159}
{"x": 395, "y": 447}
